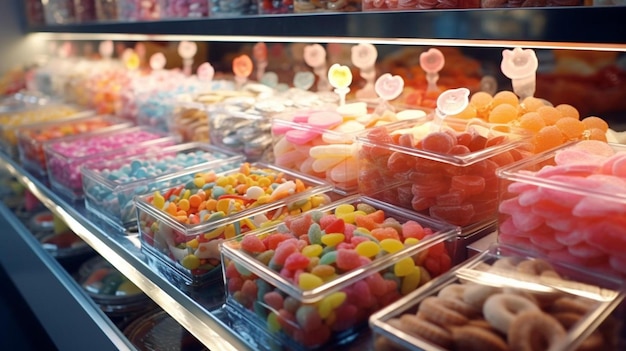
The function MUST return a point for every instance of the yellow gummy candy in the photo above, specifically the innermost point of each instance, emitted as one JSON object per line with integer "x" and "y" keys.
{"x": 223, "y": 205}
{"x": 190, "y": 262}
{"x": 272, "y": 323}
{"x": 350, "y": 217}
{"x": 411, "y": 241}
{"x": 411, "y": 281}
{"x": 333, "y": 239}
{"x": 158, "y": 201}
{"x": 391, "y": 245}
{"x": 404, "y": 267}
{"x": 312, "y": 250}
{"x": 198, "y": 182}
{"x": 331, "y": 302}
{"x": 344, "y": 209}
{"x": 368, "y": 249}
{"x": 308, "y": 281}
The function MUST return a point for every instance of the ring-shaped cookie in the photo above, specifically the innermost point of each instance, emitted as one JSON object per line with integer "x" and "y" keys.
{"x": 501, "y": 309}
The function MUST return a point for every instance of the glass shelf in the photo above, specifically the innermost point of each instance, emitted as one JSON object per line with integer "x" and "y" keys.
{"x": 530, "y": 27}
{"x": 200, "y": 310}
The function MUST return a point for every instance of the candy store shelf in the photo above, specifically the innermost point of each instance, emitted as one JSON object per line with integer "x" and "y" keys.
{"x": 542, "y": 27}
{"x": 58, "y": 302}
{"x": 200, "y": 310}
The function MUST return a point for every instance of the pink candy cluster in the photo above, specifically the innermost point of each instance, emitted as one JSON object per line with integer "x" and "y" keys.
{"x": 184, "y": 8}
{"x": 66, "y": 157}
{"x": 572, "y": 210}
{"x": 132, "y": 10}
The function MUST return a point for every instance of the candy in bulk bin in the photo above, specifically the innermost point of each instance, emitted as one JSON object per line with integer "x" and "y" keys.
{"x": 58, "y": 11}
{"x": 228, "y": 8}
{"x": 11, "y": 122}
{"x": 32, "y": 137}
{"x": 529, "y": 3}
{"x": 85, "y": 10}
{"x": 441, "y": 167}
{"x": 66, "y": 156}
{"x": 505, "y": 299}
{"x": 182, "y": 226}
{"x": 551, "y": 125}
{"x": 138, "y": 10}
{"x": 116, "y": 296}
{"x": 243, "y": 124}
{"x": 110, "y": 187}
{"x": 305, "y": 6}
{"x": 568, "y": 204}
{"x": 377, "y": 5}
{"x": 184, "y": 8}
{"x": 320, "y": 142}
{"x": 269, "y": 7}
{"x": 317, "y": 277}
{"x": 106, "y": 10}
{"x": 159, "y": 328}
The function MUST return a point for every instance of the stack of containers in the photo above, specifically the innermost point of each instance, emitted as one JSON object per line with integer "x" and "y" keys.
{"x": 561, "y": 307}
{"x": 11, "y": 122}
{"x": 31, "y": 138}
{"x": 110, "y": 186}
{"x": 316, "y": 278}
{"x": 66, "y": 156}
{"x": 446, "y": 170}
{"x": 181, "y": 227}
{"x": 568, "y": 203}
{"x": 321, "y": 142}
{"x": 243, "y": 124}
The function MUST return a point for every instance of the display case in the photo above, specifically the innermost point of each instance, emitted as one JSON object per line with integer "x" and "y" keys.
{"x": 201, "y": 312}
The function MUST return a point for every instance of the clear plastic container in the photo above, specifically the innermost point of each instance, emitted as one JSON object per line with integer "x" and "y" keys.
{"x": 110, "y": 186}
{"x": 228, "y": 8}
{"x": 158, "y": 331}
{"x": 111, "y": 290}
{"x": 138, "y": 10}
{"x": 563, "y": 307}
{"x": 568, "y": 203}
{"x": 407, "y": 5}
{"x": 186, "y": 244}
{"x": 59, "y": 11}
{"x": 106, "y": 10}
{"x": 32, "y": 115}
{"x": 269, "y": 7}
{"x": 322, "y": 288}
{"x": 305, "y": 6}
{"x": 66, "y": 156}
{"x": 85, "y": 10}
{"x": 184, "y": 8}
{"x": 322, "y": 142}
{"x": 447, "y": 172}
{"x": 30, "y": 139}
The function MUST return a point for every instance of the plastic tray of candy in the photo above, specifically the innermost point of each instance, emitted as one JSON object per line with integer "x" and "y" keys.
{"x": 30, "y": 139}
{"x": 321, "y": 142}
{"x": 181, "y": 227}
{"x": 505, "y": 299}
{"x": 11, "y": 122}
{"x": 317, "y": 277}
{"x": 66, "y": 156}
{"x": 568, "y": 203}
{"x": 447, "y": 171}
{"x": 110, "y": 186}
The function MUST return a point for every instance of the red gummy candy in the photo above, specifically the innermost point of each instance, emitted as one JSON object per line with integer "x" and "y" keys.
{"x": 436, "y": 265}
{"x": 249, "y": 289}
{"x": 457, "y": 215}
{"x": 440, "y": 142}
{"x": 430, "y": 189}
{"x": 300, "y": 225}
{"x": 234, "y": 284}
{"x": 412, "y": 229}
{"x": 252, "y": 243}
{"x": 366, "y": 222}
{"x": 283, "y": 251}
{"x": 274, "y": 299}
{"x": 399, "y": 162}
{"x": 363, "y": 297}
{"x": 376, "y": 283}
{"x": 345, "y": 317}
{"x": 297, "y": 261}
{"x": 232, "y": 272}
{"x": 347, "y": 259}
{"x": 287, "y": 321}
{"x": 469, "y": 184}
{"x": 338, "y": 225}
{"x": 275, "y": 239}
{"x": 422, "y": 203}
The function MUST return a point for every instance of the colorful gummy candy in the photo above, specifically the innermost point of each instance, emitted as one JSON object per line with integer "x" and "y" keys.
{"x": 66, "y": 156}
{"x": 552, "y": 126}
{"x": 10, "y": 122}
{"x": 110, "y": 187}
{"x": 311, "y": 251}
{"x": 321, "y": 142}
{"x": 213, "y": 207}
{"x": 31, "y": 139}
{"x": 448, "y": 174}
{"x": 569, "y": 205}
{"x": 184, "y": 8}
{"x": 377, "y": 5}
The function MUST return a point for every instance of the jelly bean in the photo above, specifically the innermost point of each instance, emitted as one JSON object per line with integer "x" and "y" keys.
{"x": 368, "y": 249}
{"x": 309, "y": 281}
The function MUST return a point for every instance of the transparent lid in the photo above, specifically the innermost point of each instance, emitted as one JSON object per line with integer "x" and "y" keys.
{"x": 158, "y": 331}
